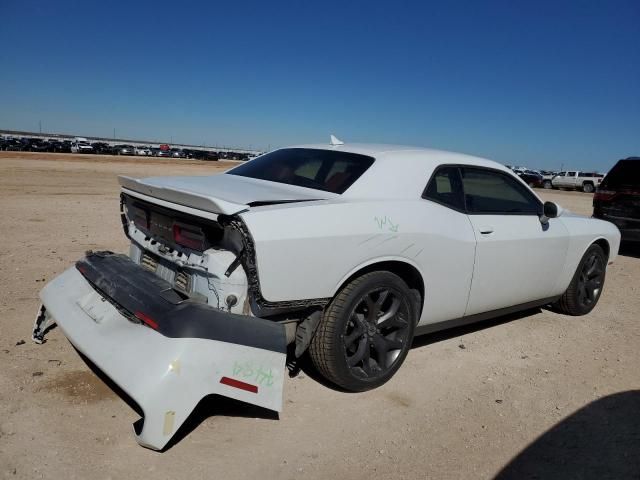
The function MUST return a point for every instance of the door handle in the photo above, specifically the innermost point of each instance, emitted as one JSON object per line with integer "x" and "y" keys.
{"x": 486, "y": 230}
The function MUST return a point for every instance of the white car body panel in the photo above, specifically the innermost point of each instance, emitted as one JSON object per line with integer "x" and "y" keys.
{"x": 517, "y": 260}
{"x": 358, "y": 234}
{"x": 583, "y": 232}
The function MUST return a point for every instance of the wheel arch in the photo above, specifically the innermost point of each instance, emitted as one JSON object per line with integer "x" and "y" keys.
{"x": 602, "y": 243}
{"x": 405, "y": 269}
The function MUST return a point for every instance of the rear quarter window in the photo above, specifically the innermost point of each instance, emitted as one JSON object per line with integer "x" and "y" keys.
{"x": 326, "y": 170}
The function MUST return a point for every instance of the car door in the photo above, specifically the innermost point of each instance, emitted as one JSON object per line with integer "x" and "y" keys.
{"x": 517, "y": 257}
{"x": 449, "y": 247}
{"x": 571, "y": 179}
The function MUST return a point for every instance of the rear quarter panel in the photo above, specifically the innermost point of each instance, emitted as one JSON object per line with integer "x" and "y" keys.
{"x": 309, "y": 250}
{"x": 583, "y": 232}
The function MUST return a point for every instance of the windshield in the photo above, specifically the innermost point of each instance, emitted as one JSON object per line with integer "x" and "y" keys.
{"x": 625, "y": 172}
{"x": 327, "y": 170}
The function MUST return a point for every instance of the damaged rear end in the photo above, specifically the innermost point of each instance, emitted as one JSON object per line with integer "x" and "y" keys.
{"x": 179, "y": 318}
{"x": 166, "y": 352}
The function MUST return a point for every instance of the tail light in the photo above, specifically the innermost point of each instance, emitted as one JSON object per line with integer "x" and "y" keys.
{"x": 147, "y": 320}
{"x": 188, "y": 236}
{"x": 139, "y": 217}
{"x": 604, "y": 195}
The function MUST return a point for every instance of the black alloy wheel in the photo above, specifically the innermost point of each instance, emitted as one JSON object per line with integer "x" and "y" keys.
{"x": 591, "y": 280}
{"x": 377, "y": 330}
{"x": 366, "y": 331}
{"x": 587, "y": 283}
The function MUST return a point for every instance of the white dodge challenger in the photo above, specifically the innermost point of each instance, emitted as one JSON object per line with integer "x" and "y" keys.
{"x": 344, "y": 251}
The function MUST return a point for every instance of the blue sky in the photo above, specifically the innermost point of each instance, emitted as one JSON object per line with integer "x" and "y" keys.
{"x": 539, "y": 83}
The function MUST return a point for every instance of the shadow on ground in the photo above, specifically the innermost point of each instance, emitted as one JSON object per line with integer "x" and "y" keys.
{"x": 209, "y": 406}
{"x": 431, "y": 338}
{"x": 599, "y": 441}
{"x": 215, "y": 405}
{"x": 304, "y": 363}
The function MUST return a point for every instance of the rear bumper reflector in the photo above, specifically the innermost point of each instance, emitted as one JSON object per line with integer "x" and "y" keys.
{"x": 238, "y": 384}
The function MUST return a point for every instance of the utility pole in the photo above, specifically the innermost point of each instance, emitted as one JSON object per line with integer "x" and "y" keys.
{"x": 114, "y": 133}
{"x": 40, "y": 126}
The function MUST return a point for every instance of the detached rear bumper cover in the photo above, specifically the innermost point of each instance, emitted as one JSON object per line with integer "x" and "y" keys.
{"x": 179, "y": 353}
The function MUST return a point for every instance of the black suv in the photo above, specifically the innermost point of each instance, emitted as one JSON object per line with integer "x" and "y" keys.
{"x": 617, "y": 199}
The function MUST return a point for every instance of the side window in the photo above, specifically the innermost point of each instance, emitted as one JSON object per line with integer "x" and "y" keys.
{"x": 445, "y": 188}
{"x": 571, "y": 174}
{"x": 488, "y": 191}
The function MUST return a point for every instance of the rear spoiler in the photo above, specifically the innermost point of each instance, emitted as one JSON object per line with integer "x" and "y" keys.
{"x": 183, "y": 197}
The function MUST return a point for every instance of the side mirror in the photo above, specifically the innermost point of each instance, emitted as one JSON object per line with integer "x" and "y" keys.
{"x": 549, "y": 210}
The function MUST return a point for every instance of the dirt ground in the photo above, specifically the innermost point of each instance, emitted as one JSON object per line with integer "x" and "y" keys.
{"x": 535, "y": 395}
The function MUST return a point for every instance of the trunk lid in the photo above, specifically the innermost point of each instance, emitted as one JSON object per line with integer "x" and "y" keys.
{"x": 221, "y": 194}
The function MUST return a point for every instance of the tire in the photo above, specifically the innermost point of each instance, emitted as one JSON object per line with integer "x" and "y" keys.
{"x": 586, "y": 285}
{"x": 355, "y": 347}
{"x": 588, "y": 188}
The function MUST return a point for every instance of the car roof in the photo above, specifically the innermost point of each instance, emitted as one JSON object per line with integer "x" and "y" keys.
{"x": 400, "y": 171}
{"x": 394, "y": 153}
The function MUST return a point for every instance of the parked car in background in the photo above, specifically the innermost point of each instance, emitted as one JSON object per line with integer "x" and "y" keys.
{"x": 123, "y": 150}
{"x": 314, "y": 247}
{"x": 617, "y": 199}
{"x": 177, "y": 153}
{"x": 142, "y": 151}
{"x": 157, "y": 152}
{"x": 547, "y": 177}
{"x": 211, "y": 156}
{"x": 59, "y": 146}
{"x": 585, "y": 181}
{"x": 14, "y": 145}
{"x": 530, "y": 177}
{"x": 81, "y": 145}
{"x": 102, "y": 148}
{"x": 36, "y": 145}
{"x": 190, "y": 153}
{"x": 54, "y": 145}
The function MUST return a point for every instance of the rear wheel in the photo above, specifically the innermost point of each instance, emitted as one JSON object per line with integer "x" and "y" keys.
{"x": 366, "y": 332}
{"x": 547, "y": 184}
{"x": 587, "y": 188}
{"x": 586, "y": 285}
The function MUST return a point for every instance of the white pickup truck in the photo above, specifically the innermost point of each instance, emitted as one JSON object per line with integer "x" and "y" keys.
{"x": 585, "y": 181}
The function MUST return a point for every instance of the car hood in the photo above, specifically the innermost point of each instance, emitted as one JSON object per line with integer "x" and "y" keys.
{"x": 221, "y": 194}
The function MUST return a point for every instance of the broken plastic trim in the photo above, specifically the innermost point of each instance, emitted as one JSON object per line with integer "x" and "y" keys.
{"x": 242, "y": 245}
{"x": 266, "y": 203}
{"x": 248, "y": 259}
{"x": 141, "y": 295}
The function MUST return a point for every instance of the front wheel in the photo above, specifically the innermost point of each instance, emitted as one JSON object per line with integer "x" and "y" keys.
{"x": 586, "y": 285}
{"x": 366, "y": 332}
{"x": 547, "y": 184}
